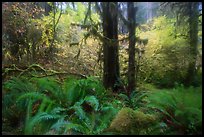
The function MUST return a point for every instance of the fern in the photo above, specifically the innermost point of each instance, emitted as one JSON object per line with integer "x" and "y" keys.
{"x": 43, "y": 113}
{"x": 180, "y": 108}
{"x": 72, "y": 92}
{"x": 135, "y": 100}
{"x": 47, "y": 103}
{"x": 75, "y": 127}
{"x": 19, "y": 85}
{"x": 79, "y": 89}
{"x": 96, "y": 121}
{"x": 59, "y": 125}
{"x": 14, "y": 111}
{"x": 50, "y": 87}
{"x": 92, "y": 101}
{"x": 34, "y": 96}
{"x": 79, "y": 110}
{"x": 46, "y": 119}
{"x": 28, "y": 128}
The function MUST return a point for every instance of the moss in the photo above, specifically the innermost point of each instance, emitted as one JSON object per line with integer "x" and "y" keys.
{"x": 128, "y": 121}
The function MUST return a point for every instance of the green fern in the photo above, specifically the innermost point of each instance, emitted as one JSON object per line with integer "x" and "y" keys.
{"x": 50, "y": 87}
{"x": 34, "y": 96}
{"x": 45, "y": 119}
{"x": 180, "y": 108}
{"x": 79, "y": 110}
{"x": 42, "y": 96}
{"x": 28, "y": 128}
{"x": 79, "y": 89}
{"x": 19, "y": 85}
{"x": 11, "y": 110}
{"x": 59, "y": 126}
{"x": 94, "y": 122}
{"x": 135, "y": 100}
{"x": 92, "y": 101}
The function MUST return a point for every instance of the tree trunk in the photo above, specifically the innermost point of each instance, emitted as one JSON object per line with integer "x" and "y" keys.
{"x": 33, "y": 52}
{"x": 53, "y": 33}
{"x": 131, "y": 50}
{"x": 193, "y": 34}
{"x": 48, "y": 8}
{"x": 110, "y": 44}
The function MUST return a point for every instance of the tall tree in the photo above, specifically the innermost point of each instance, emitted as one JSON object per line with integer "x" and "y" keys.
{"x": 110, "y": 44}
{"x": 193, "y": 14}
{"x": 132, "y": 41}
{"x": 191, "y": 11}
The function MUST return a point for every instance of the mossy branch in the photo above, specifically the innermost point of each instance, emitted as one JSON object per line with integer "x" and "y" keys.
{"x": 37, "y": 67}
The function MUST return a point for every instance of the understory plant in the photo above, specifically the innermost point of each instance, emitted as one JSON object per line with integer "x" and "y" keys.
{"x": 180, "y": 110}
{"x": 135, "y": 100}
{"x": 49, "y": 103}
{"x": 88, "y": 117}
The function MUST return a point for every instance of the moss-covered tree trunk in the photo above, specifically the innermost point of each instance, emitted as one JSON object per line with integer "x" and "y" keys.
{"x": 193, "y": 35}
{"x": 132, "y": 41}
{"x": 110, "y": 44}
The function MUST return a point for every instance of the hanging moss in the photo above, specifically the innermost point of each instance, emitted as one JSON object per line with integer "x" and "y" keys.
{"x": 128, "y": 121}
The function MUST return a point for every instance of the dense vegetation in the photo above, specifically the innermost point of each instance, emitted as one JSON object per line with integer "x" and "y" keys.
{"x": 111, "y": 68}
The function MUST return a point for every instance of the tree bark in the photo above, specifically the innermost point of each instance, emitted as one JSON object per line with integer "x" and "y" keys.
{"x": 193, "y": 34}
{"x": 110, "y": 45}
{"x": 48, "y": 8}
{"x": 131, "y": 50}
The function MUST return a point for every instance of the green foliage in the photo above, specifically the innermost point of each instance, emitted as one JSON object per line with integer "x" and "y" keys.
{"x": 50, "y": 87}
{"x": 85, "y": 120}
{"x": 20, "y": 34}
{"x": 176, "y": 111}
{"x": 46, "y": 101}
{"x": 167, "y": 54}
{"x": 180, "y": 109}
{"x": 43, "y": 121}
{"x": 77, "y": 90}
{"x": 92, "y": 121}
{"x": 135, "y": 100}
{"x": 11, "y": 110}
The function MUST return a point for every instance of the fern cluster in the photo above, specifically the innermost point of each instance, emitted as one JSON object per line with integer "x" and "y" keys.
{"x": 180, "y": 109}
{"x": 14, "y": 111}
{"x": 135, "y": 100}
{"x": 48, "y": 105}
{"x": 82, "y": 106}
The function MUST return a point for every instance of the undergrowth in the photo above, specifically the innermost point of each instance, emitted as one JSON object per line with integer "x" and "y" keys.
{"x": 180, "y": 110}
{"x": 83, "y": 106}
{"x": 50, "y": 104}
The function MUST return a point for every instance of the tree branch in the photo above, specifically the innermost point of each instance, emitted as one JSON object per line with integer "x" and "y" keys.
{"x": 33, "y": 66}
{"x": 98, "y": 8}
{"x": 125, "y": 21}
{"x": 88, "y": 12}
{"x": 55, "y": 24}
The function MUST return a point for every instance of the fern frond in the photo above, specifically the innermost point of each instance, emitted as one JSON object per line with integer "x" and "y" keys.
{"x": 43, "y": 118}
{"x": 79, "y": 110}
{"x": 182, "y": 106}
{"x": 61, "y": 123}
{"x": 93, "y": 101}
{"x": 51, "y": 87}
{"x": 123, "y": 96}
{"x": 46, "y": 116}
{"x": 34, "y": 96}
{"x": 75, "y": 127}
{"x": 19, "y": 85}
{"x": 28, "y": 126}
